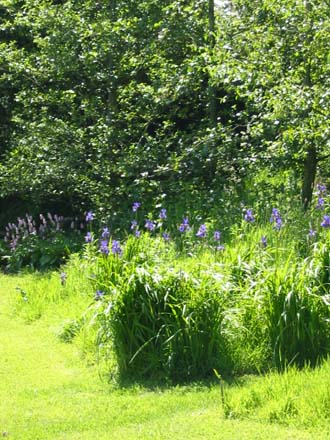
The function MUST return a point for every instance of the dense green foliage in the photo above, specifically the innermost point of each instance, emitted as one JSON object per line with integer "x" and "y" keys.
{"x": 277, "y": 55}
{"x": 105, "y": 94}
{"x": 106, "y": 102}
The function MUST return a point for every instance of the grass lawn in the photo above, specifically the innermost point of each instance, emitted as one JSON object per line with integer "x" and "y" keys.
{"x": 48, "y": 391}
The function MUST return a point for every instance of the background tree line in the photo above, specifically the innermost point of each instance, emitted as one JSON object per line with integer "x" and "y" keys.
{"x": 106, "y": 102}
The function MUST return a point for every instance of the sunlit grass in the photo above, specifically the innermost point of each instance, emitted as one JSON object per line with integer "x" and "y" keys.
{"x": 49, "y": 391}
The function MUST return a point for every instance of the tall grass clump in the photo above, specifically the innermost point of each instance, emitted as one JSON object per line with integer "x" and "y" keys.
{"x": 161, "y": 315}
{"x": 168, "y": 324}
{"x": 296, "y": 311}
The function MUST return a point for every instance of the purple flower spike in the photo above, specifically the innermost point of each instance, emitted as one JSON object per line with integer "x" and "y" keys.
{"x": 321, "y": 189}
{"x": 275, "y": 214}
{"x": 278, "y": 223}
{"x": 276, "y": 219}
{"x": 134, "y": 225}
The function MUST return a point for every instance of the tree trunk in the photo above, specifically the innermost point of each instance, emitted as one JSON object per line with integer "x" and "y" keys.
{"x": 310, "y": 166}
{"x": 211, "y": 88}
{"x": 310, "y": 163}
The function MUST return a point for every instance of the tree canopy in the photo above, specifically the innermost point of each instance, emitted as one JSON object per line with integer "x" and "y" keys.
{"x": 106, "y": 102}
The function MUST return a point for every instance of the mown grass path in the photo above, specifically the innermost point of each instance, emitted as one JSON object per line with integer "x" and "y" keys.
{"x": 48, "y": 392}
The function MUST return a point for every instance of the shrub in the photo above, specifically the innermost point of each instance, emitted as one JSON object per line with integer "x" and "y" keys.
{"x": 40, "y": 245}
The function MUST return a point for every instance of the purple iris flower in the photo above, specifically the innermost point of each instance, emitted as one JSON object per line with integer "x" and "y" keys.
{"x": 115, "y": 248}
{"x": 263, "y": 241}
{"x": 326, "y": 221}
{"x": 320, "y": 203}
{"x": 89, "y": 216}
{"x": 311, "y": 233}
{"x": 137, "y": 233}
{"x": 105, "y": 233}
{"x": 201, "y": 231}
{"x": 278, "y": 223}
{"x": 150, "y": 225}
{"x": 104, "y": 247}
{"x": 98, "y": 295}
{"x": 217, "y": 235}
{"x": 136, "y": 206}
{"x": 134, "y": 224}
{"x": 321, "y": 189}
{"x": 88, "y": 237}
{"x": 249, "y": 216}
{"x": 275, "y": 214}
{"x": 166, "y": 236}
{"x": 184, "y": 225}
{"x": 163, "y": 214}
{"x": 276, "y": 219}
